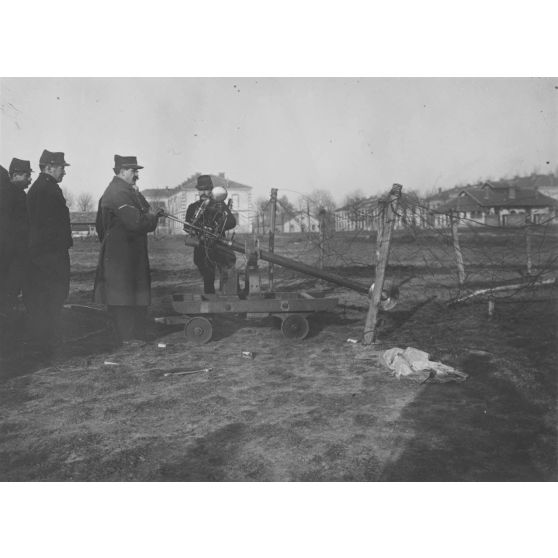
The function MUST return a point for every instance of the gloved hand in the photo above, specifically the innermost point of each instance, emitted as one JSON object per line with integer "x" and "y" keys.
{"x": 160, "y": 212}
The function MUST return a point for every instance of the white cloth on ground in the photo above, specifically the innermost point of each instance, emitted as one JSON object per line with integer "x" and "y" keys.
{"x": 415, "y": 364}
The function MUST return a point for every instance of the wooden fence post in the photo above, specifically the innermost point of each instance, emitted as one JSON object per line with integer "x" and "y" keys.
{"x": 273, "y": 210}
{"x": 528, "y": 244}
{"x": 387, "y": 221}
{"x": 322, "y": 237}
{"x": 458, "y": 254}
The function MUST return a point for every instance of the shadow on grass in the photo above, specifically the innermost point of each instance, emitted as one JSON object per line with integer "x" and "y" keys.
{"x": 481, "y": 430}
{"x": 84, "y": 334}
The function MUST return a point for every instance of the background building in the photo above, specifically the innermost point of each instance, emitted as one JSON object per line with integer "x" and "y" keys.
{"x": 502, "y": 204}
{"x": 301, "y": 222}
{"x": 83, "y": 223}
{"x": 176, "y": 201}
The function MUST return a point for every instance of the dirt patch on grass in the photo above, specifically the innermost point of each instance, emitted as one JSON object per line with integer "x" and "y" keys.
{"x": 302, "y": 411}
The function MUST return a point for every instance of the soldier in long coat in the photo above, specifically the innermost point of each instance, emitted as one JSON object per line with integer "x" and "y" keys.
{"x": 50, "y": 237}
{"x": 123, "y": 279}
{"x": 13, "y": 247}
{"x": 20, "y": 177}
{"x": 6, "y": 246}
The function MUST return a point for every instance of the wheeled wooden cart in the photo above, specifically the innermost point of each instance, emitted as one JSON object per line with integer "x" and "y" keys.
{"x": 195, "y": 311}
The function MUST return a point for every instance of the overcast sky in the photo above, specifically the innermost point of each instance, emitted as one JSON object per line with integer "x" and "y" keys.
{"x": 295, "y": 134}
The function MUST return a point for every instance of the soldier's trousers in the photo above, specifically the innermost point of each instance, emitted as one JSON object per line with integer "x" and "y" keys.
{"x": 16, "y": 279}
{"x": 208, "y": 258}
{"x": 47, "y": 288}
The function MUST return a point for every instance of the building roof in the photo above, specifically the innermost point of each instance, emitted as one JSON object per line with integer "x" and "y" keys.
{"x": 190, "y": 184}
{"x": 406, "y": 201}
{"x": 220, "y": 179}
{"x": 444, "y": 195}
{"x": 503, "y": 196}
{"x": 159, "y": 192}
{"x": 362, "y": 205}
{"x": 532, "y": 181}
{"x": 82, "y": 217}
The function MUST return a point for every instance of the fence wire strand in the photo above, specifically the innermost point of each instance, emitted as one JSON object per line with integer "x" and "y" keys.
{"x": 422, "y": 248}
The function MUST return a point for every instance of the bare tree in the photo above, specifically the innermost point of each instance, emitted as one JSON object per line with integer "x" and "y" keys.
{"x": 85, "y": 202}
{"x": 262, "y": 205}
{"x": 285, "y": 206}
{"x": 319, "y": 200}
{"x": 69, "y": 197}
{"x": 285, "y": 211}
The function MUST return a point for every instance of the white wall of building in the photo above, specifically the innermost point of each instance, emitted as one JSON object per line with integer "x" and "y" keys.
{"x": 177, "y": 203}
{"x": 301, "y": 223}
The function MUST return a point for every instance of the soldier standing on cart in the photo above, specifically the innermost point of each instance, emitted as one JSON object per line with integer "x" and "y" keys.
{"x": 213, "y": 217}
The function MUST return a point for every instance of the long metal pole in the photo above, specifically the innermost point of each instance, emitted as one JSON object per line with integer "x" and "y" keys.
{"x": 285, "y": 262}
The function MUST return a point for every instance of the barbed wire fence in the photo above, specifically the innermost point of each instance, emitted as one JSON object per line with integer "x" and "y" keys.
{"x": 446, "y": 254}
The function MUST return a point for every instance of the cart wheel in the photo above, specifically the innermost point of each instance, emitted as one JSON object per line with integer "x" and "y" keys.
{"x": 295, "y": 327}
{"x": 198, "y": 330}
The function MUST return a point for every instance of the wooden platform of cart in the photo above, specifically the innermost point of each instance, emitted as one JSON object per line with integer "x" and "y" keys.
{"x": 293, "y": 308}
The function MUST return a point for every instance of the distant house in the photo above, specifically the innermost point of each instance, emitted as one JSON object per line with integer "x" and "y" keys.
{"x": 176, "y": 201}
{"x": 83, "y": 223}
{"x": 501, "y": 204}
{"x": 436, "y": 218}
{"x": 358, "y": 216}
{"x": 365, "y": 215}
{"x": 440, "y": 198}
{"x": 546, "y": 184}
{"x": 301, "y": 222}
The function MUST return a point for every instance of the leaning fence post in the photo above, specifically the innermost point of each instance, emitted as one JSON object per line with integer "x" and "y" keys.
{"x": 273, "y": 211}
{"x": 322, "y": 237}
{"x": 387, "y": 221}
{"x": 528, "y": 244}
{"x": 458, "y": 254}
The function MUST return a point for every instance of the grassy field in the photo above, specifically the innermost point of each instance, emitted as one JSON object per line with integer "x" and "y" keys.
{"x": 300, "y": 411}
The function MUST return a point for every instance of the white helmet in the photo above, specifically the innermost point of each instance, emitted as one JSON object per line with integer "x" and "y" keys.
{"x": 219, "y": 193}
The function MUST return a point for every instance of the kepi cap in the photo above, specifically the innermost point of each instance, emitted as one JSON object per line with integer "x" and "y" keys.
{"x": 204, "y": 182}
{"x": 55, "y": 158}
{"x": 126, "y": 162}
{"x": 20, "y": 166}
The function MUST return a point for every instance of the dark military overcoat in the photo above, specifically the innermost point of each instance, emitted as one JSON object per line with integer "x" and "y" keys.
{"x": 49, "y": 218}
{"x": 123, "y": 220}
{"x": 50, "y": 237}
{"x": 6, "y": 203}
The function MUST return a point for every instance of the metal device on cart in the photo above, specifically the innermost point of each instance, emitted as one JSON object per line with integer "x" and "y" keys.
{"x": 292, "y": 308}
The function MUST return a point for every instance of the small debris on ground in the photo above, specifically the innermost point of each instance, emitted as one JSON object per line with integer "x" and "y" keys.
{"x": 186, "y": 372}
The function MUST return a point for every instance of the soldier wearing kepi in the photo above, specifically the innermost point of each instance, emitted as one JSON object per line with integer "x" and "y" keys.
{"x": 123, "y": 280}
{"x": 50, "y": 237}
{"x": 215, "y": 216}
{"x": 20, "y": 178}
